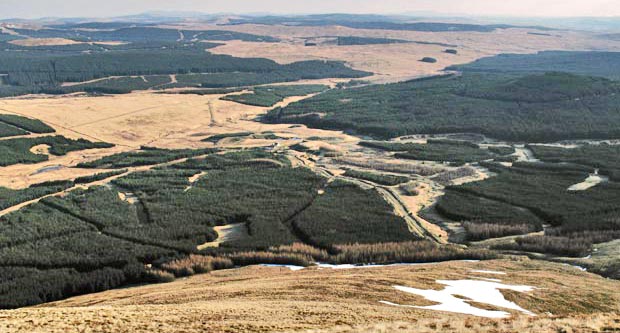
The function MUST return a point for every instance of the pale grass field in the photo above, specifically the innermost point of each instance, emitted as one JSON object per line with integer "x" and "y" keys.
{"x": 397, "y": 62}
{"x": 140, "y": 119}
{"x": 44, "y": 42}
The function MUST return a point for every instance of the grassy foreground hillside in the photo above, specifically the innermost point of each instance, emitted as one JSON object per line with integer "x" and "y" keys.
{"x": 262, "y": 299}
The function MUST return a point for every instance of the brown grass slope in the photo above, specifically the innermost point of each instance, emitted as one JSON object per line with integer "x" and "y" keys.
{"x": 261, "y": 299}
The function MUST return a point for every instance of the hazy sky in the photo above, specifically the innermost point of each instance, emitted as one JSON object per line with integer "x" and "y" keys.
{"x": 91, "y": 8}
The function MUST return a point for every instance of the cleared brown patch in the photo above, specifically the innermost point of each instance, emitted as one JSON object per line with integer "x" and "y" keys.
{"x": 226, "y": 233}
{"x": 43, "y": 42}
{"x": 40, "y": 150}
{"x": 397, "y": 62}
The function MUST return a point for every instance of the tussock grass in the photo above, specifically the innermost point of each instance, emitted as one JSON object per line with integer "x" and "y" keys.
{"x": 158, "y": 276}
{"x": 302, "y": 249}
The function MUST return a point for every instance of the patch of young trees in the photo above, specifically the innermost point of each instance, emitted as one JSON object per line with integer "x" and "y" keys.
{"x": 15, "y": 151}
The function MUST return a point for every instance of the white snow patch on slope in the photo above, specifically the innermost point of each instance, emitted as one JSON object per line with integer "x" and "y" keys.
{"x": 291, "y": 267}
{"x": 488, "y": 272}
{"x": 321, "y": 265}
{"x": 486, "y": 292}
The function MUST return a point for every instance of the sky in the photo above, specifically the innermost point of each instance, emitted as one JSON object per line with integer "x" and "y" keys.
{"x": 109, "y": 8}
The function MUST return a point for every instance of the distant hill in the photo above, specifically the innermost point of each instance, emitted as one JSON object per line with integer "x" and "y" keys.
{"x": 547, "y": 107}
{"x": 540, "y": 88}
{"x": 604, "y": 64}
{"x": 370, "y": 22}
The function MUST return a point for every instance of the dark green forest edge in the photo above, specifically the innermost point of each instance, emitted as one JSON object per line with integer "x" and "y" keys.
{"x": 369, "y": 22}
{"x": 43, "y": 69}
{"x": 271, "y": 95}
{"x": 455, "y": 152}
{"x": 520, "y": 198}
{"x": 526, "y": 107}
{"x": 18, "y": 150}
{"x": 92, "y": 240}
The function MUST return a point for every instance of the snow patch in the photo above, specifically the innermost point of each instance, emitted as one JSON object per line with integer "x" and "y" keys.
{"x": 349, "y": 266}
{"x": 486, "y": 292}
{"x": 583, "y": 269}
{"x": 291, "y": 267}
{"x": 592, "y": 180}
{"x": 488, "y": 272}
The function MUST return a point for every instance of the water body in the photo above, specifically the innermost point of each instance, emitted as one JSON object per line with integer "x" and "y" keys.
{"x": 48, "y": 169}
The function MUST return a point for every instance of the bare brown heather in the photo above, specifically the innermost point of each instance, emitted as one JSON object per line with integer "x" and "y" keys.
{"x": 410, "y": 189}
{"x": 573, "y": 247}
{"x": 445, "y": 178}
{"x": 253, "y": 258}
{"x": 303, "y": 249}
{"x": 479, "y": 231}
{"x": 158, "y": 276}
{"x": 403, "y": 167}
{"x": 410, "y": 252}
{"x": 196, "y": 264}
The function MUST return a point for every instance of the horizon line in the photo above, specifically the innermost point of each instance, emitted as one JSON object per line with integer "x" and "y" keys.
{"x": 422, "y": 14}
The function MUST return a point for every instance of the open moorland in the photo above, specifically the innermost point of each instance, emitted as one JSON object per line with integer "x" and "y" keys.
{"x": 267, "y": 299}
{"x": 330, "y": 174}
